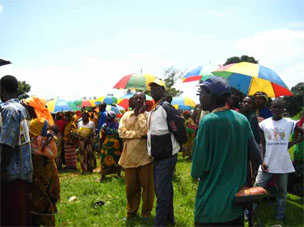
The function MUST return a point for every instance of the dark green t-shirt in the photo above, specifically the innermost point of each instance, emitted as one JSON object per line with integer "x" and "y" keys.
{"x": 220, "y": 161}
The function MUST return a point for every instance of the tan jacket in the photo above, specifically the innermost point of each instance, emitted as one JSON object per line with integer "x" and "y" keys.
{"x": 133, "y": 130}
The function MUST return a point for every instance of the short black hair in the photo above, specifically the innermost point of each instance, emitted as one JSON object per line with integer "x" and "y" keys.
{"x": 9, "y": 83}
{"x": 279, "y": 101}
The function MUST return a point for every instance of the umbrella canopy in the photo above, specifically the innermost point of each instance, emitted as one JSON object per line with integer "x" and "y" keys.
{"x": 4, "y": 62}
{"x": 249, "y": 78}
{"x": 58, "y": 105}
{"x": 135, "y": 81}
{"x": 183, "y": 103}
{"x": 115, "y": 109}
{"x": 84, "y": 103}
{"x": 73, "y": 106}
{"x": 108, "y": 99}
{"x": 124, "y": 100}
{"x": 196, "y": 74}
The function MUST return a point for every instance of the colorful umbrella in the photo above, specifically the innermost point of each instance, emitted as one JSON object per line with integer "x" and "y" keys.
{"x": 196, "y": 74}
{"x": 124, "y": 100}
{"x": 249, "y": 78}
{"x": 84, "y": 103}
{"x": 183, "y": 103}
{"x": 135, "y": 81}
{"x": 73, "y": 106}
{"x": 109, "y": 99}
{"x": 58, "y": 105}
{"x": 115, "y": 109}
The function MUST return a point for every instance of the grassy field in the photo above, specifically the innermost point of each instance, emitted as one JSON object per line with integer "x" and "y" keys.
{"x": 80, "y": 194}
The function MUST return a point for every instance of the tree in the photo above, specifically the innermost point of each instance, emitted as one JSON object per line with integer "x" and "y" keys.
{"x": 295, "y": 103}
{"x": 171, "y": 75}
{"x": 23, "y": 89}
{"x": 243, "y": 58}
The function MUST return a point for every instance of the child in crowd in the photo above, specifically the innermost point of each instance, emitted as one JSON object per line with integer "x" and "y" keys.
{"x": 275, "y": 135}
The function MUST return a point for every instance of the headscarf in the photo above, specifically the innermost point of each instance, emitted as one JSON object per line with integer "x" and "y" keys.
{"x": 41, "y": 111}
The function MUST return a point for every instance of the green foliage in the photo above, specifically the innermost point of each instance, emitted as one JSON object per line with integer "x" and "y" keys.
{"x": 23, "y": 89}
{"x": 83, "y": 210}
{"x": 171, "y": 75}
{"x": 295, "y": 103}
{"x": 243, "y": 58}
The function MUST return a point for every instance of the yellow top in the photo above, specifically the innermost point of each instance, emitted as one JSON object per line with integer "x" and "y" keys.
{"x": 132, "y": 130}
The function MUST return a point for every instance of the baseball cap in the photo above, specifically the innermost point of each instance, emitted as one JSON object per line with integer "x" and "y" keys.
{"x": 216, "y": 85}
{"x": 158, "y": 82}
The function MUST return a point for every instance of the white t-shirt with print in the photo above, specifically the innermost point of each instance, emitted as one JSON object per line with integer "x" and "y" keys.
{"x": 277, "y": 134}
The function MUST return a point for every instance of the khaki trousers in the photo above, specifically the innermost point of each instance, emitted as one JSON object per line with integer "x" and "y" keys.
{"x": 137, "y": 178}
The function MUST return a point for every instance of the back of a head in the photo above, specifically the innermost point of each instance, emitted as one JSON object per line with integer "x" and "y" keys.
{"x": 218, "y": 87}
{"x": 9, "y": 84}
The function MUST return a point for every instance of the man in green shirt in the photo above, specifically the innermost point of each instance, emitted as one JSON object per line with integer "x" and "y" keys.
{"x": 220, "y": 156}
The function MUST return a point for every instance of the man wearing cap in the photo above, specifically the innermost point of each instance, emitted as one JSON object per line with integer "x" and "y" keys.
{"x": 16, "y": 157}
{"x": 163, "y": 146}
{"x": 220, "y": 153}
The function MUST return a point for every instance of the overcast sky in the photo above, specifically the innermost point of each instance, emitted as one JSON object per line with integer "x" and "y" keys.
{"x": 75, "y": 48}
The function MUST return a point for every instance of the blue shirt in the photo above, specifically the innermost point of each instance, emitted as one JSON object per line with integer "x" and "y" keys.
{"x": 265, "y": 113}
{"x": 101, "y": 120}
{"x": 15, "y": 148}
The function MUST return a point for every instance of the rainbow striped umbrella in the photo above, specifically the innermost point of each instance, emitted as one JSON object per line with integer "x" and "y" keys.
{"x": 115, "y": 109}
{"x": 73, "y": 106}
{"x": 135, "y": 81}
{"x": 196, "y": 74}
{"x": 124, "y": 100}
{"x": 108, "y": 99}
{"x": 183, "y": 103}
{"x": 250, "y": 78}
{"x": 58, "y": 105}
{"x": 84, "y": 103}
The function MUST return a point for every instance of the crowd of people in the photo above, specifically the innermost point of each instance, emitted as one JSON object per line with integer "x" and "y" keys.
{"x": 230, "y": 144}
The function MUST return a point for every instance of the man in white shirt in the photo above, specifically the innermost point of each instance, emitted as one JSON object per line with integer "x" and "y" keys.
{"x": 276, "y": 131}
{"x": 163, "y": 146}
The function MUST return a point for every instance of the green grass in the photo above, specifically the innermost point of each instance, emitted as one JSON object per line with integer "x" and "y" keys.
{"x": 87, "y": 189}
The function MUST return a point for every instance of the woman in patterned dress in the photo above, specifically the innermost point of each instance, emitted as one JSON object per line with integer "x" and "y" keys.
{"x": 45, "y": 188}
{"x": 69, "y": 141}
{"x": 86, "y": 131}
{"x": 110, "y": 146}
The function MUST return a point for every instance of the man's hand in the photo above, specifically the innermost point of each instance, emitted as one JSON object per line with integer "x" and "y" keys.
{"x": 265, "y": 167}
{"x": 140, "y": 110}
